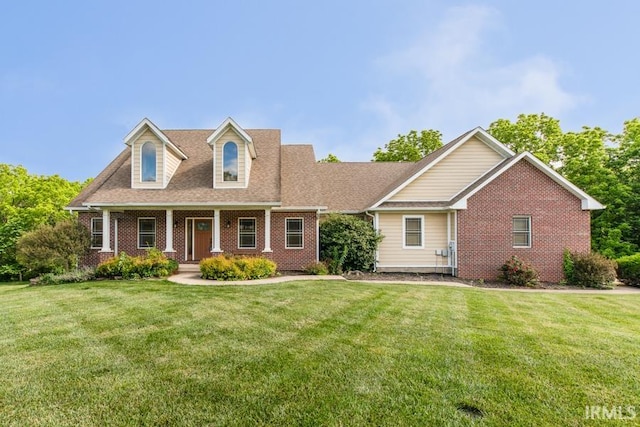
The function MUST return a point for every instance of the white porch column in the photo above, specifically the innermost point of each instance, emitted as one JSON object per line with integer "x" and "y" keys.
{"x": 169, "y": 228}
{"x": 216, "y": 231}
{"x": 106, "y": 231}
{"x": 267, "y": 230}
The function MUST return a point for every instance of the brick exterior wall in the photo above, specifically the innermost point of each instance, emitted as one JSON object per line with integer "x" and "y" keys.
{"x": 286, "y": 259}
{"x": 485, "y": 227}
{"x": 293, "y": 259}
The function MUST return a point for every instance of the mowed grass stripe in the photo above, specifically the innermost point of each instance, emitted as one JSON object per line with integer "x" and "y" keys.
{"x": 310, "y": 353}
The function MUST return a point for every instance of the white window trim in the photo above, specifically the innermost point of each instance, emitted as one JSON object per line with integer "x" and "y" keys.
{"x": 286, "y": 232}
{"x": 404, "y": 231}
{"x": 255, "y": 232}
{"x": 155, "y": 233}
{"x": 95, "y": 233}
{"x": 530, "y": 233}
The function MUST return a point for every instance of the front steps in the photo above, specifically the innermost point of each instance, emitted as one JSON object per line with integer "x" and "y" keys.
{"x": 189, "y": 268}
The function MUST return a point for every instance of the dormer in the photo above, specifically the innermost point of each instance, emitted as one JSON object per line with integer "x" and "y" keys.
{"x": 233, "y": 153}
{"x": 154, "y": 158}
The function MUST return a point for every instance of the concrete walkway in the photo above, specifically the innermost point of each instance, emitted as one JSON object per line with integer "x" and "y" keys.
{"x": 193, "y": 278}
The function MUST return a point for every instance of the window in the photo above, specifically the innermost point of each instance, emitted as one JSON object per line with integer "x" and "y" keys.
{"x": 294, "y": 231}
{"x": 146, "y": 233}
{"x": 96, "y": 232}
{"x": 148, "y": 162}
{"x": 230, "y": 162}
{"x": 247, "y": 233}
{"x": 521, "y": 232}
{"x": 413, "y": 232}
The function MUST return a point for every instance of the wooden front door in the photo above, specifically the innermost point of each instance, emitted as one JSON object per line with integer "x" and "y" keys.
{"x": 202, "y": 238}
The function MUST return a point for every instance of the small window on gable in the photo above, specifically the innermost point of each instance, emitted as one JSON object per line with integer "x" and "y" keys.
{"x": 96, "y": 232}
{"x": 148, "y": 159}
{"x": 521, "y": 231}
{"x": 230, "y": 162}
{"x": 413, "y": 232}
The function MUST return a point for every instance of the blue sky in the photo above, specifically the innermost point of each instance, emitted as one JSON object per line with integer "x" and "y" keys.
{"x": 345, "y": 76}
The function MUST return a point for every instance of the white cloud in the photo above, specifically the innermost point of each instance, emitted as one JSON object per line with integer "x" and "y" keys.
{"x": 451, "y": 78}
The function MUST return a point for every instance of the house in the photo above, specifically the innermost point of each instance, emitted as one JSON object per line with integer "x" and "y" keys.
{"x": 463, "y": 209}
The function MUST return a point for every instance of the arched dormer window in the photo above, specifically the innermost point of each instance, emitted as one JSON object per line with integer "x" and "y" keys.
{"x": 148, "y": 159}
{"x": 230, "y": 162}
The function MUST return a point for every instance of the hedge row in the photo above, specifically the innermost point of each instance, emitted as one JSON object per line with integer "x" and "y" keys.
{"x": 629, "y": 270}
{"x": 153, "y": 264}
{"x": 228, "y": 267}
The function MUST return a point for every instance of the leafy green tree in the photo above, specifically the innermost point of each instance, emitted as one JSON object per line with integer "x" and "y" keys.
{"x": 331, "y": 158}
{"x": 348, "y": 243}
{"x": 53, "y": 249}
{"x": 596, "y": 161}
{"x": 409, "y": 148}
{"x": 587, "y": 161}
{"x": 27, "y": 201}
{"x": 538, "y": 134}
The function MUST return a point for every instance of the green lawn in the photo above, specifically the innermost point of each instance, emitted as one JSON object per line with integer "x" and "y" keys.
{"x": 313, "y": 353}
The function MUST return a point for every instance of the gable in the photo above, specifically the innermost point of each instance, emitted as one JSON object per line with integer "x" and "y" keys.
{"x": 231, "y": 169}
{"x": 243, "y": 165}
{"x": 586, "y": 202}
{"x": 149, "y": 171}
{"x": 452, "y": 174}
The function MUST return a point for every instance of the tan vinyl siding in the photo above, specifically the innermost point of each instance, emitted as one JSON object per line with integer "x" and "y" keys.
{"x": 243, "y": 160}
{"x": 172, "y": 163}
{"x": 452, "y": 174}
{"x": 136, "y": 162}
{"x": 391, "y": 251}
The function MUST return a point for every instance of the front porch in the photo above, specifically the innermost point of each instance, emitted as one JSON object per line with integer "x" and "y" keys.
{"x": 190, "y": 235}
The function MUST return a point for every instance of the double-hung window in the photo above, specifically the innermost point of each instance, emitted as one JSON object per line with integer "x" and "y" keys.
{"x": 96, "y": 232}
{"x": 521, "y": 231}
{"x": 413, "y": 231}
{"x": 246, "y": 233}
{"x": 146, "y": 233}
{"x": 294, "y": 230}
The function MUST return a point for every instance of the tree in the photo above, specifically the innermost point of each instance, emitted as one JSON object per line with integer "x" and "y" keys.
{"x": 409, "y": 148}
{"x": 538, "y": 134}
{"x": 591, "y": 160}
{"x": 56, "y": 248}
{"x": 331, "y": 158}
{"x": 348, "y": 243}
{"x": 27, "y": 201}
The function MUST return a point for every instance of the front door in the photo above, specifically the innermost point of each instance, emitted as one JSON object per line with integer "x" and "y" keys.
{"x": 202, "y": 238}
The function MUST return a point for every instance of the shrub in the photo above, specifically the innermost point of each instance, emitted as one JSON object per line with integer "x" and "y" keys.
{"x": 567, "y": 266}
{"x": 53, "y": 249}
{"x": 259, "y": 267}
{"x": 348, "y": 242}
{"x": 84, "y": 274}
{"x": 317, "y": 269}
{"x": 593, "y": 270}
{"x": 227, "y": 267}
{"x": 517, "y": 272}
{"x": 629, "y": 269}
{"x": 153, "y": 264}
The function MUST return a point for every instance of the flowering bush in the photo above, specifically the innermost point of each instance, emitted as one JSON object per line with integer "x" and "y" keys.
{"x": 517, "y": 272}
